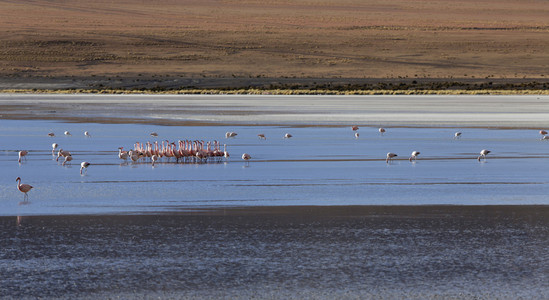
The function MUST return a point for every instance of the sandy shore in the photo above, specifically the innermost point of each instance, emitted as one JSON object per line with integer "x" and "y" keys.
{"x": 425, "y": 111}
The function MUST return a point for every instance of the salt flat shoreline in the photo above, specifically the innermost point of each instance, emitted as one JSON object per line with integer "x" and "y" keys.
{"x": 487, "y": 111}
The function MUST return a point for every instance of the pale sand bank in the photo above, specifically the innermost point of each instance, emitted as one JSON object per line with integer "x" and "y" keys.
{"x": 530, "y": 111}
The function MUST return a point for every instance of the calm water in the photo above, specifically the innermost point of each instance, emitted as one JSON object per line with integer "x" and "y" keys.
{"x": 320, "y": 215}
{"x": 318, "y": 166}
{"x": 421, "y": 252}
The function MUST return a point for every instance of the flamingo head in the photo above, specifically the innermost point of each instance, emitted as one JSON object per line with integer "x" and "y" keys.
{"x": 18, "y": 178}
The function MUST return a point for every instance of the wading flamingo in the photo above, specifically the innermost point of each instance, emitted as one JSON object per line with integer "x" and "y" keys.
{"x": 68, "y": 159}
{"x": 543, "y": 132}
{"x": 67, "y": 133}
{"x": 457, "y": 135}
{"x": 53, "y": 147}
{"x": 414, "y": 155}
{"x": 545, "y": 138}
{"x": 381, "y": 131}
{"x": 390, "y": 156}
{"x": 23, "y": 153}
{"x": 356, "y": 135}
{"x": 23, "y": 188}
{"x": 87, "y": 134}
{"x": 230, "y": 134}
{"x": 261, "y": 136}
{"x": 354, "y": 127}
{"x": 84, "y": 165}
{"x": 154, "y": 158}
{"x": 62, "y": 153}
{"x": 225, "y": 152}
{"x": 246, "y": 157}
{"x": 287, "y": 136}
{"x": 483, "y": 154}
{"x": 122, "y": 154}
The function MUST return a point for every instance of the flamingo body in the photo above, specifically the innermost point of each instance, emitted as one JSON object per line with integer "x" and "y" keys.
{"x": 390, "y": 156}
{"x": 22, "y": 153}
{"x": 414, "y": 155}
{"x": 84, "y": 165}
{"x": 23, "y": 188}
{"x": 457, "y": 135}
{"x": 483, "y": 154}
{"x": 287, "y": 136}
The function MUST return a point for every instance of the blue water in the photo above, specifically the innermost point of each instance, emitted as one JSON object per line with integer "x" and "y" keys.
{"x": 317, "y": 166}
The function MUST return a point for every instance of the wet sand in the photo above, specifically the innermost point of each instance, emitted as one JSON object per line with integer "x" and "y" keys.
{"x": 427, "y": 111}
{"x": 376, "y": 252}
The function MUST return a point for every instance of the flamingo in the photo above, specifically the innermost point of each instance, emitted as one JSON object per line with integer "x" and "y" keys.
{"x": 457, "y": 135}
{"x": 122, "y": 154}
{"x": 230, "y": 134}
{"x": 545, "y": 138}
{"x": 51, "y": 134}
{"x": 287, "y": 136}
{"x": 154, "y": 158}
{"x": 261, "y": 136}
{"x": 68, "y": 158}
{"x": 483, "y": 154}
{"x": 246, "y": 157}
{"x": 356, "y": 135}
{"x": 390, "y": 156}
{"x": 381, "y": 130}
{"x": 414, "y": 155}
{"x": 87, "y": 134}
{"x": 543, "y": 132}
{"x": 84, "y": 165}
{"x": 23, "y": 153}
{"x": 354, "y": 127}
{"x": 154, "y": 134}
{"x": 62, "y": 153}
{"x": 225, "y": 152}
{"x": 23, "y": 188}
{"x": 67, "y": 133}
{"x": 53, "y": 147}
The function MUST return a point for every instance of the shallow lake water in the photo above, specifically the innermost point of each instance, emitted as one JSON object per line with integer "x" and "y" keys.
{"x": 317, "y": 166}
{"x": 318, "y": 216}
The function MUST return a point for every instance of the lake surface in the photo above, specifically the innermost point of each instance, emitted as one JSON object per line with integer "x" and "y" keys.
{"x": 319, "y": 215}
{"x": 317, "y": 166}
{"x": 420, "y": 252}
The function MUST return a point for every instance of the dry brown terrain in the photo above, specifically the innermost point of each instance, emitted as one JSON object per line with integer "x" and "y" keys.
{"x": 440, "y": 39}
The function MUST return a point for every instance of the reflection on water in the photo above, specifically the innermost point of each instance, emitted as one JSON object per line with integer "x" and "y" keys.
{"x": 279, "y": 253}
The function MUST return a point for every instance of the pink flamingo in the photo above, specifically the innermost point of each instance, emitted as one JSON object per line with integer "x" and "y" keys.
{"x": 246, "y": 157}
{"x": 354, "y": 127}
{"x": 287, "y": 136}
{"x": 53, "y": 147}
{"x": 122, "y": 154}
{"x": 457, "y": 135}
{"x": 23, "y": 188}
{"x": 390, "y": 156}
{"x": 62, "y": 153}
{"x": 356, "y": 135}
{"x": 23, "y": 153}
{"x": 543, "y": 132}
{"x": 483, "y": 154}
{"x": 225, "y": 153}
{"x": 414, "y": 155}
{"x": 154, "y": 158}
{"x": 84, "y": 165}
{"x": 261, "y": 136}
{"x": 381, "y": 131}
{"x": 68, "y": 158}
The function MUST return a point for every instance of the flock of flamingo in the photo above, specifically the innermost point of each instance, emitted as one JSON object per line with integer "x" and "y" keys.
{"x": 193, "y": 151}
